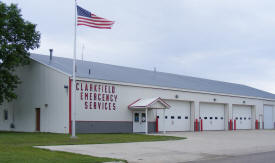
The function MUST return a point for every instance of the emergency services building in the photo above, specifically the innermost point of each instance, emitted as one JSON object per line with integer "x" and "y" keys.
{"x": 116, "y": 99}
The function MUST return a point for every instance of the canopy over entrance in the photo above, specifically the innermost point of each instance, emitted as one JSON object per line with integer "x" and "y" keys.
{"x": 140, "y": 109}
{"x": 150, "y": 103}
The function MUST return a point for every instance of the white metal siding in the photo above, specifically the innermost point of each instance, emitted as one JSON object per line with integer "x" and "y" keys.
{"x": 40, "y": 85}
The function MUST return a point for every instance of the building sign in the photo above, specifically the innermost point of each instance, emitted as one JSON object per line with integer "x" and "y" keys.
{"x": 97, "y": 96}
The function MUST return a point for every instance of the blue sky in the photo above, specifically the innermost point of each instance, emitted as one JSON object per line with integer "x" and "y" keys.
{"x": 228, "y": 40}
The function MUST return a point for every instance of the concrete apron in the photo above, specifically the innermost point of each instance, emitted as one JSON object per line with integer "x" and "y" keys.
{"x": 197, "y": 146}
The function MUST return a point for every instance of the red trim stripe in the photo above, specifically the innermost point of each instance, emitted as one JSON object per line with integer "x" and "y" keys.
{"x": 94, "y": 26}
{"x": 95, "y": 20}
{"x": 201, "y": 125}
{"x": 84, "y": 21}
{"x": 70, "y": 106}
{"x": 133, "y": 103}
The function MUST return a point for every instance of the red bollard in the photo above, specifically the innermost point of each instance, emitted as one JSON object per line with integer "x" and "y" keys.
{"x": 230, "y": 124}
{"x": 201, "y": 125}
{"x": 196, "y": 128}
{"x": 257, "y": 127}
{"x": 157, "y": 124}
{"x": 234, "y": 124}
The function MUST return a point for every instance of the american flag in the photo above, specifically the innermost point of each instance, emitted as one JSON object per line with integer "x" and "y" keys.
{"x": 86, "y": 18}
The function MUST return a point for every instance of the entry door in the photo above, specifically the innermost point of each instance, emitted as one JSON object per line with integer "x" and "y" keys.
{"x": 212, "y": 116}
{"x": 37, "y": 112}
{"x": 242, "y": 115}
{"x": 139, "y": 121}
{"x": 268, "y": 117}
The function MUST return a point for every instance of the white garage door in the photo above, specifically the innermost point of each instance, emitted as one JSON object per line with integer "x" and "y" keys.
{"x": 242, "y": 115}
{"x": 268, "y": 117}
{"x": 212, "y": 116}
{"x": 177, "y": 118}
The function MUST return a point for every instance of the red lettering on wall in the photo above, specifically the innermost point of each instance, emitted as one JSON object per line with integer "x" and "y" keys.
{"x": 109, "y": 106}
{"x": 91, "y": 87}
{"x": 94, "y": 105}
{"x": 91, "y": 96}
{"x": 91, "y": 105}
{"x": 86, "y": 87}
{"x": 107, "y": 97}
{"x": 95, "y": 89}
{"x": 105, "y": 88}
{"x": 99, "y": 88}
{"x": 95, "y": 96}
{"x": 86, "y": 96}
{"x": 113, "y": 89}
{"x": 103, "y": 97}
{"x": 86, "y": 105}
{"x": 105, "y": 104}
{"x": 99, "y": 97}
{"x": 109, "y": 89}
{"x": 81, "y": 95}
{"x": 99, "y": 105}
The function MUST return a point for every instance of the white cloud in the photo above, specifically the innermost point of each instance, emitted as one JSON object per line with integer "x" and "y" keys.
{"x": 225, "y": 40}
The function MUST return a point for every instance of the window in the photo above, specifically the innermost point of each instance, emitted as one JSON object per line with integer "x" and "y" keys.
{"x": 157, "y": 117}
{"x": 179, "y": 117}
{"x": 136, "y": 117}
{"x": 205, "y": 117}
{"x": 172, "y": 117}
{"x": 6, "y": 115}
{"x": 236, "y": 118}
{"x": 221, "y": 118}
{"x": 200, "y": 118}
{"x": 165, "y": 117}
{"x": 249, "y": 118}
{"x": 216, "y": 117}
{"x": 143, "y": 117}
{"x": 211, "y": 118}
{"x": 244, "y": 118}
{"x": 241, "y": 118}
{"x": 186, "y": 117}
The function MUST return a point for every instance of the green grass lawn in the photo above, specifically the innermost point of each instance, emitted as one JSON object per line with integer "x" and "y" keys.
{"x": 17, "y": 147}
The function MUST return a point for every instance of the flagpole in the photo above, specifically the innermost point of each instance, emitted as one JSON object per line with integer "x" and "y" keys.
{"x": 74, "y": 82}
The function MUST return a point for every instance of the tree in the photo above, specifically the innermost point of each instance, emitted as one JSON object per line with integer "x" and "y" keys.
{"x": 17, "y": 37}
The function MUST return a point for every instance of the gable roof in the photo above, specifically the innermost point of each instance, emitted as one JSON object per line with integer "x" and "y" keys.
{"x": 156, "y": 103}
{"x": 101, "y": 71}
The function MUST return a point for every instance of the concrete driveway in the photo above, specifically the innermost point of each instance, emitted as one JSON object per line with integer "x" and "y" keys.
{"x": 197, "y": 146}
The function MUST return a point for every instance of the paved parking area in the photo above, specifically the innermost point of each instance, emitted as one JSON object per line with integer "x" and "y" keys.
{"x": 197, "y": 146}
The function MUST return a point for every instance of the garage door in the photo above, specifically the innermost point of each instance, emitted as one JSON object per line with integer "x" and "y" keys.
{"x": 212, "y": 116}
{"x": 177, "y": 118}
{"x": 268, "y": 117}
{"x": 242, "y": 115}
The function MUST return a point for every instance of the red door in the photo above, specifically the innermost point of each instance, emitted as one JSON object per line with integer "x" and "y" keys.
{"x": 37, "y": 110}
